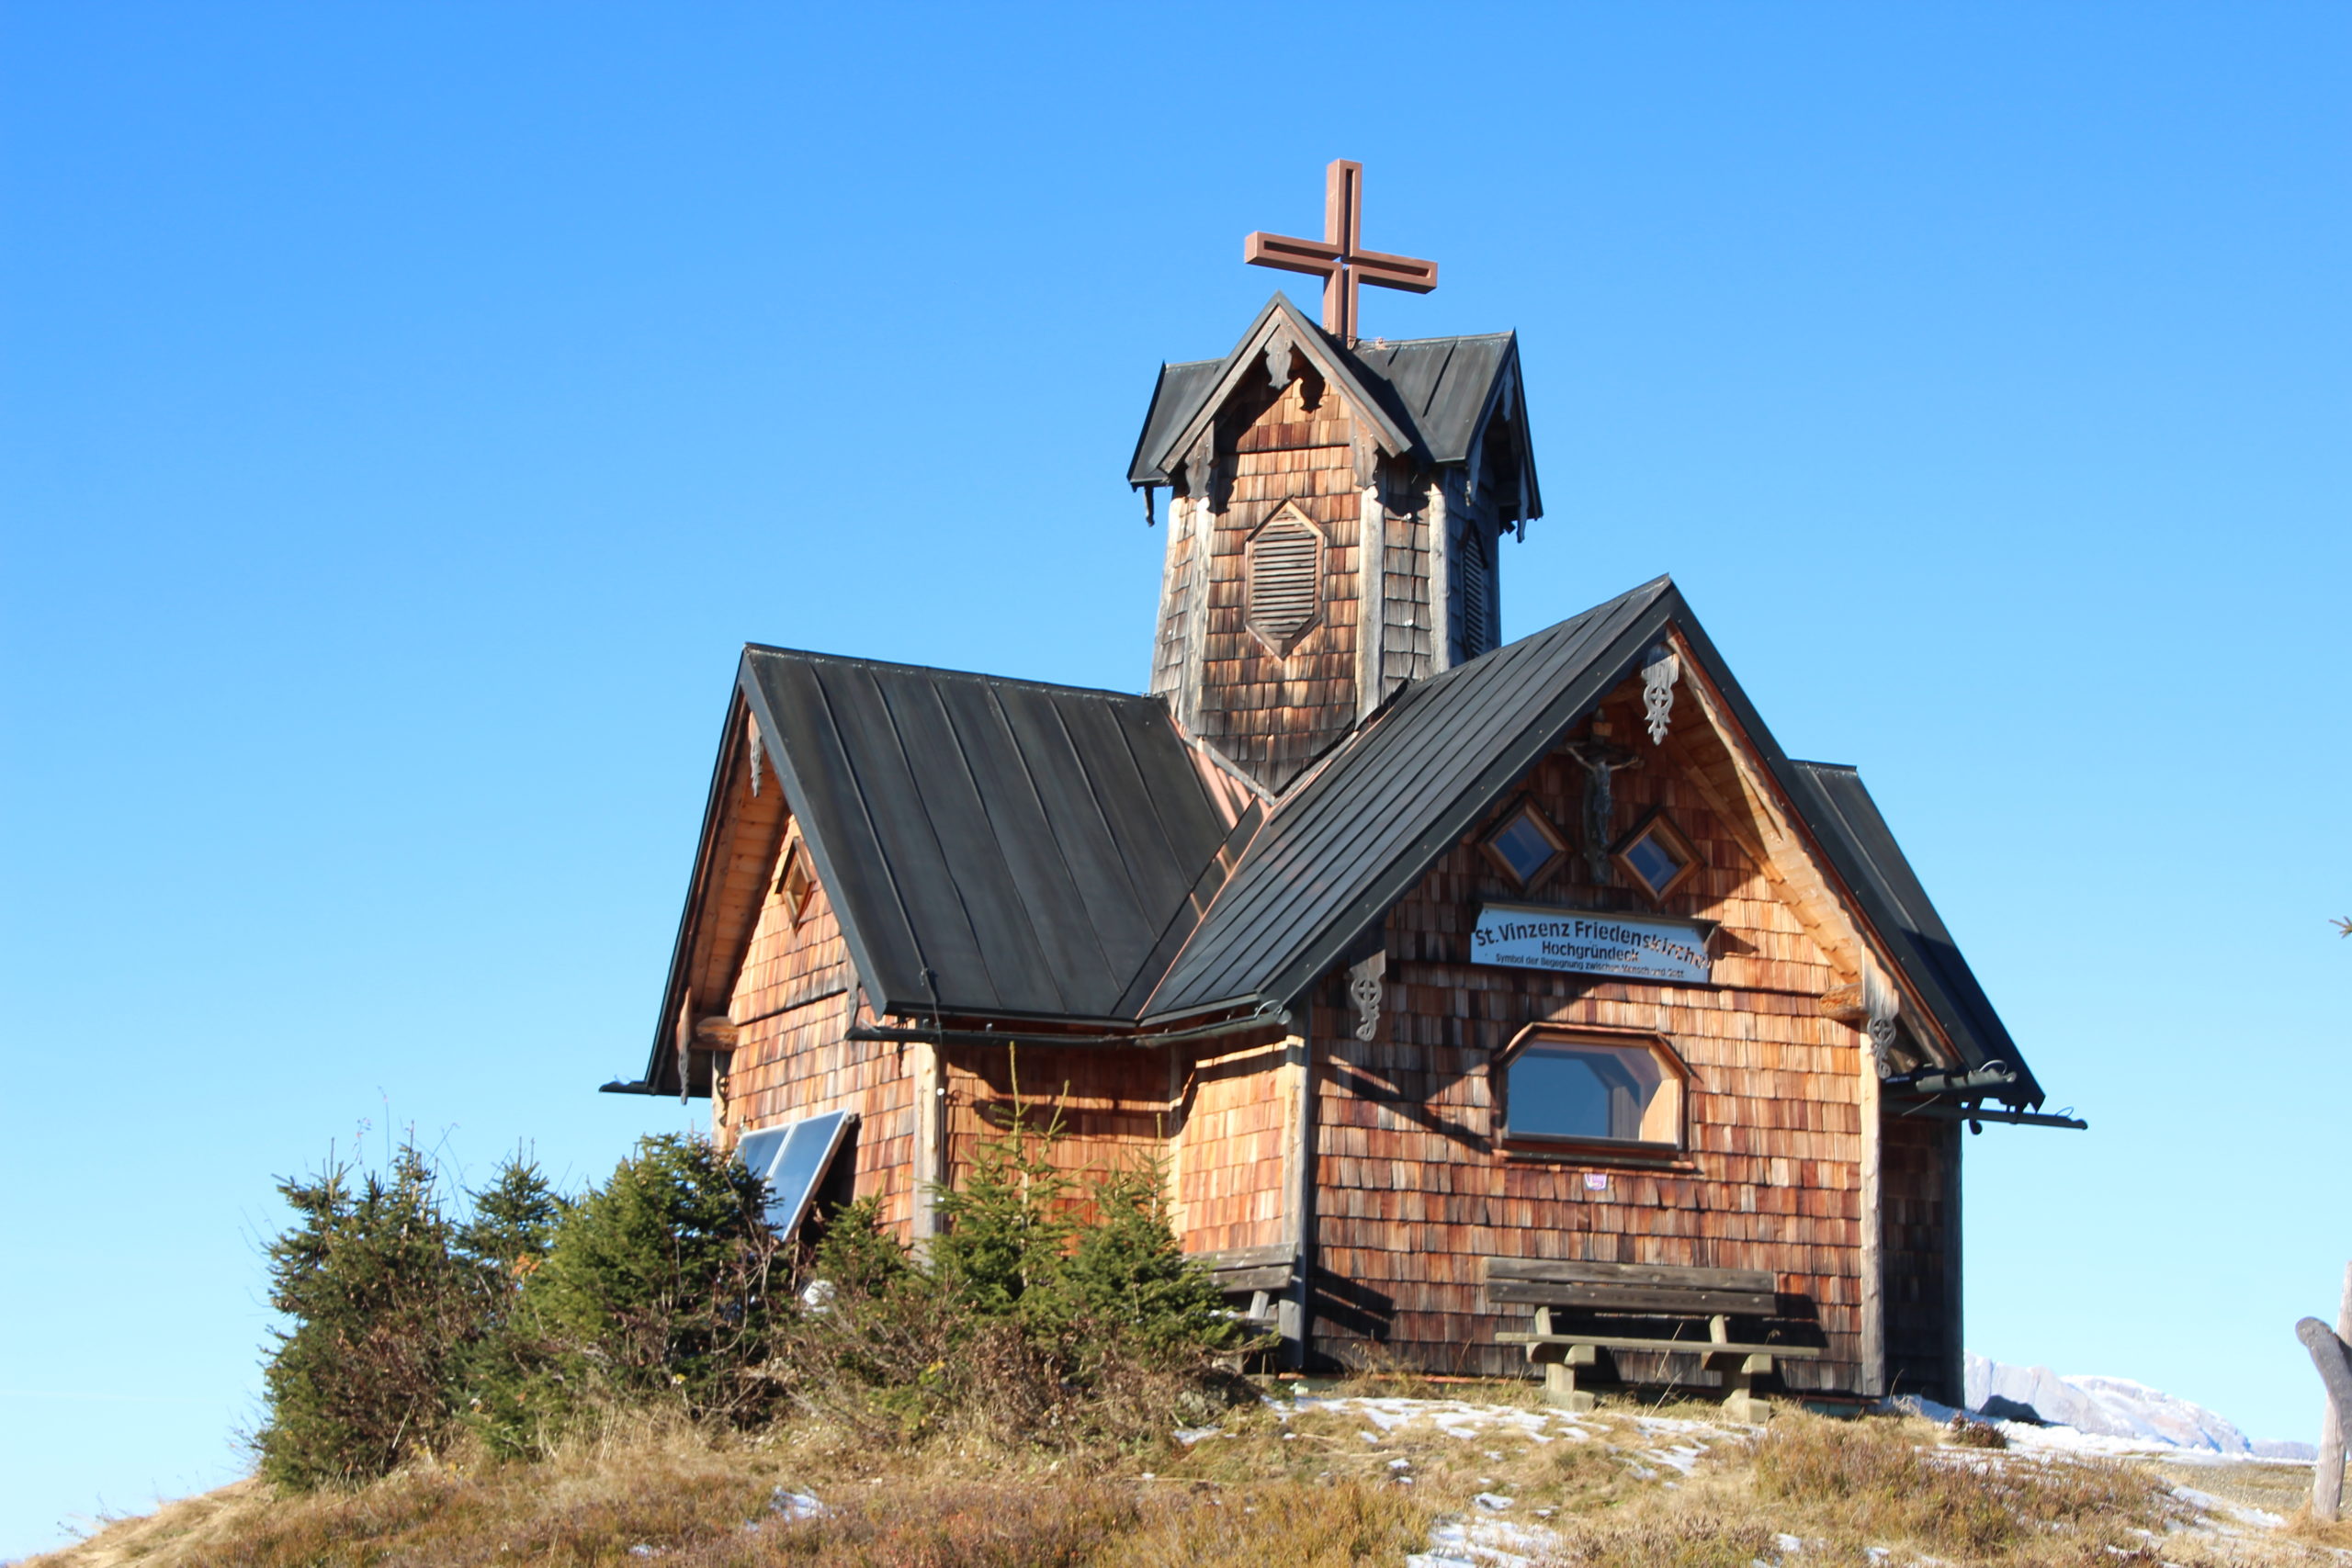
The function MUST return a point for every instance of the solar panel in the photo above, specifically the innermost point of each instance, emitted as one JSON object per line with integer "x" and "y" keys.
{"x": 797, "y": 1156}
{"x": 758, "y": 1150}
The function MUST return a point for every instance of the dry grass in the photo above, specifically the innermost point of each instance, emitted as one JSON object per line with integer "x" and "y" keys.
{"x": 1625, "y": 1487}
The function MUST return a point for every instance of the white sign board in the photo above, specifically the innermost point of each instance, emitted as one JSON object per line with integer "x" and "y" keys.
{"x": 1589, "y": 941}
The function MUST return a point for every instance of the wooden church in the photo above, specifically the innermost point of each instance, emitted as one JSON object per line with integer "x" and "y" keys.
{"x": 1487, "y": 1004}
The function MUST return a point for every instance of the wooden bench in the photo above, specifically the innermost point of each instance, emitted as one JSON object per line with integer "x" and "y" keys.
{"x": 1644, "y": 1307}
{"x": 1264, "y": 1274}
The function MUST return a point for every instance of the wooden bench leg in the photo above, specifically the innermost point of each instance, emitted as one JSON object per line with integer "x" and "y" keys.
{"x": 1560, "y": 1389}
{"x": 1739, "y": 1374}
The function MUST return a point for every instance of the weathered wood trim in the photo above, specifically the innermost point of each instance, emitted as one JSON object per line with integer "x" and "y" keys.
{"x": 1441, "y": 579}
{"x": 1632, "y": 1299}
{"x": 1873, "y": 1232}
{"x": 930, "y": 1141}
{"x": 1193, "y": 651}
{"x": 1233, "y": 1257}
{"x": 1573, "y": 1272}
{"x": 1372, "y": 574}
{"x": 1296, "y": 1076}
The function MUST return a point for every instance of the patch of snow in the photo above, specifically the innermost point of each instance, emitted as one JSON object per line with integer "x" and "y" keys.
{"x": 1786, "y": 1544}
{"x": 2206, "y": 1503}
{"x": 1484, "y": 1543}
{"x": 1188, "y": 1435}
{"x": 1493, "y": 1502}
{"x": 1683, "y": 1458}
{"x": 1455, "y": 1417}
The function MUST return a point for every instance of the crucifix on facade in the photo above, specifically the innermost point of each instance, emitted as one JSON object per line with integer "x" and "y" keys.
{"x": 1338, "y": 258}
{"x": 1601, "y": 761}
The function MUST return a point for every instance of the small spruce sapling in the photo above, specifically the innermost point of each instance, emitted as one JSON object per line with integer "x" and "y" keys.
{"x": 658, "y": 1281}
{"x": 1129, "y": 1277}
{"x": 382, "y": 1310}
{"x": 1007, "y": 1230}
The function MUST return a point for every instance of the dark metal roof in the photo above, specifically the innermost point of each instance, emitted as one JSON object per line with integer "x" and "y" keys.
{"x": 998, "y": 848}
{"x": 991, "y": 846}
{"x": 1354, "y": 837}
{"x": 1860, "y": 844}
{"x": 1437, "y": 391}
{"x": 1442, "y": 385}
{"x": 1175, "y": 398}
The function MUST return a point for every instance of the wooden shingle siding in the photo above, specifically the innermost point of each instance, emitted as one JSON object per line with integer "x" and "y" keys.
{"x": 1229, "y": 1156}
{"x": 1416, "y": 1188}
{"x": 793, "y": 1058}
{"x": 1920, "y": 1171}
{"x": 1273, "y": 713}
{"x": 1111, "y": 1105}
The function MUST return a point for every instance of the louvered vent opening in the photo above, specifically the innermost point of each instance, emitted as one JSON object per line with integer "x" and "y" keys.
{"x": 1475, "y": 597}
{"x": 1283, "y": 562}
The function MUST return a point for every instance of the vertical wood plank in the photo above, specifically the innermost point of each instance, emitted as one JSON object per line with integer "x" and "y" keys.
{"x": 1874, "y": 1260}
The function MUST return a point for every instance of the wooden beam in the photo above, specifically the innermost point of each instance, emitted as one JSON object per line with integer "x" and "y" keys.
{"x": 1632, "y": 1299}
{"x": 1298, "y": 1182}
{"x": 1372, "y": 580}
{"x": 1873, "y": 1229}
{"x": 930, "y": 1141}
{"x": 1568, "y": 1272}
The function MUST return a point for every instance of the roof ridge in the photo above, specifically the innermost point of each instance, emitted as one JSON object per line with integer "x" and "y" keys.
{"x": 855, "y": 660}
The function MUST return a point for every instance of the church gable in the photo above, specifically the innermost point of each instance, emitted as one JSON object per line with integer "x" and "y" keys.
{"x": 1333, "y": 529}
{"x": 1631, "y": 698}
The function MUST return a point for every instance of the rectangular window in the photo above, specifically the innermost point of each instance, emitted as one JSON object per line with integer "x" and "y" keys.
{"x": 1593, "y": 1091}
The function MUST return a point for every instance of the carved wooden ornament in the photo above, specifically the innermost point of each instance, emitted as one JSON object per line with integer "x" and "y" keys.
{"x": 1660, "y": 668}
{"x": 1363, "y": 989}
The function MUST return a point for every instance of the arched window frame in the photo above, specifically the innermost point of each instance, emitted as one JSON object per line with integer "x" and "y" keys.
{"x": 1528, "y": 1143}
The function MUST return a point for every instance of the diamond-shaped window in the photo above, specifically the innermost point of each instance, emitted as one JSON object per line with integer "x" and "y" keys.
{"x": 796, "y": 884}
{"x": 1526, "y": 845}
{"x": 1657, "y": 856}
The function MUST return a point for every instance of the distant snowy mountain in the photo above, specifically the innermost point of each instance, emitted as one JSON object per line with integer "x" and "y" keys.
{"x": 2109, "y": 1407}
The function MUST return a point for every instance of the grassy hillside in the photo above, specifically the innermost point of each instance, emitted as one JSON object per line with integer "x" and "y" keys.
{"x": 1371, "y": 1473}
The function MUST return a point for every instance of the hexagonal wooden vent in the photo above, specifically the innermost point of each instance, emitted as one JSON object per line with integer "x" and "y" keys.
{"x": 1285, "y": 579}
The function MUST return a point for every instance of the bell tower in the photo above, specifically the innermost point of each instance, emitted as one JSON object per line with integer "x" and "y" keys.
{"x": 1335, "y": 510}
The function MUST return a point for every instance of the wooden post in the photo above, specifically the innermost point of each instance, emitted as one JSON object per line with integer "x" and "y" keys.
{"x": 2327, "y": 1469}
{"x": 1874, "y": 1240}
{"x": 931, "y": 1118}
{"x": 1441, "y": 589}
{"x": 1955, "y": 1352}
{"x": 1298, "y": 1189}
{"x": 1371, "y": 569}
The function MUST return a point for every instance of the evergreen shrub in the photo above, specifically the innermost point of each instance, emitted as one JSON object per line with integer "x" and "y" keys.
{"x": 1043, "y": 1310}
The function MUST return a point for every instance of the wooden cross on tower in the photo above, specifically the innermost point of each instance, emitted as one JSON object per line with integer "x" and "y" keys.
{"x": 1338, "y": 258}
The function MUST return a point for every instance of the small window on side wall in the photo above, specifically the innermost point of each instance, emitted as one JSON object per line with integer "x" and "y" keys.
{"x": 1564, "y": 1089}
{"x": 1526, "y": 846}
{"x": 1656, "y": 856}
{"x": 796, "y": 885}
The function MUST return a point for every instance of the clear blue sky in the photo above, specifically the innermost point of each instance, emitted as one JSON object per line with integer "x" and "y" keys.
{"x": 409, "y": 409}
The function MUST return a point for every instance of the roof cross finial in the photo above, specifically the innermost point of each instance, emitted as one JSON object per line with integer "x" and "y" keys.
{"x": 1338, "y": 258}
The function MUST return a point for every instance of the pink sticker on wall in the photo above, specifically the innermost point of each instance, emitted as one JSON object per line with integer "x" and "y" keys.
{"x": 1596, "y": 1181}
